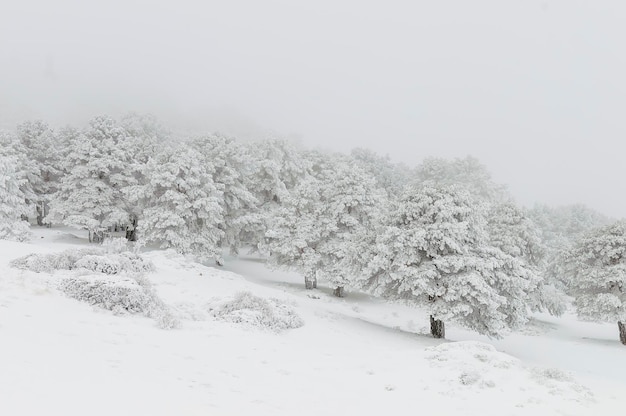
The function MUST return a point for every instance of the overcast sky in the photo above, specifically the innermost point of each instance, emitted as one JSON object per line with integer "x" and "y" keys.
{"x": 534, "y": 89}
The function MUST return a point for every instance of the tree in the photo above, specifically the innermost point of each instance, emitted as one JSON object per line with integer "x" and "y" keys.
{"x": 144, "y": 137}
{"x": 12, "y": 203}
{"x": 183, "y": 204}
{"x": 594, "y": 270}
{"x": 467, "y": 173}
{"x": 317, "y": 222}
{"x": 563, "y": 226}
{"x": 89, "y": 195}
{"x": 25, "y": 170}
{"x": 392, "y": 177}
{"x": 40, "y": 146}
{"x": 434, "y": 252}
{"x": 232, "y": 167}
{"x": 278, "y": 166}
{"x": 512, "y": 231}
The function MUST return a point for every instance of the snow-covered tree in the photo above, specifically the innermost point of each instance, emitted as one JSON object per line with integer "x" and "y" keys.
{"x": 318, "y": 221}
{"x": 183, "y": 205}
{"x": 26, "y": 172}
{"x": 40, "y": 147}
{"x": 594, "y": 270}
{"x": 392, "y": 177}
{"x": 12, "y": 203}
{"x": 435, "y": 252}
{"x": 89, "y": 195}
{"x": 512, "y": 231}
{"x": 144, "y": 137}
{"x": 103, "y": 168}
{"x": 562, "y": 226}
{"x": 232, "y": 167}
{"x": 278, "y": 167}
{"x": 467, "y": 173}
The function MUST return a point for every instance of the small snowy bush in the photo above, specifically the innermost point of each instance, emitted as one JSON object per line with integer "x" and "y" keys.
{"x": 270, "y": 314}
{"x": 48, "y": 263}
{"x": 120, "y": 295}
{"x": 90, "y": 259}
{"x": 100, "y": 264}
{"x": 133, "y": 262}
{"x": 117, "y": 294}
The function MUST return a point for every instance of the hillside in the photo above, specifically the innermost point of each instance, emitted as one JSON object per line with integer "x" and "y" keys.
{"x": 356, "y": 355}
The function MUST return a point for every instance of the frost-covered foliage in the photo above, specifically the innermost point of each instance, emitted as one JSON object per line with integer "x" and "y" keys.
{"x": 12, "y": 203}
{"x": 232, "y": 170}
{"x": 43, "y": 149}
{"x": 145, "y": 136}
{"x": 318, "y": 222}
{"x": 435, "y": 252}
{"x": 392, "y": 177}
{"x": 467, "y": 173}
{"x": 594, "y": 271}
{"x": 114, "y": 263}
{"x": 254, "y": 311}
{"x": 119, "y": 294}
{"x": 562, "y": 226}
{"x": 184, "y": 204}
{"x": 103, "y": 168}
{"x": 512, "y": 231}
{"x": 89, "y": 195}
{"x": 88, "y": 259}
{"x": 278, "y": 167}
{"x": 24, "y": 167}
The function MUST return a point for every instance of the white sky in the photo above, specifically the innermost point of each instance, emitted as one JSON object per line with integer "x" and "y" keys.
{"x": 534, "y": 89}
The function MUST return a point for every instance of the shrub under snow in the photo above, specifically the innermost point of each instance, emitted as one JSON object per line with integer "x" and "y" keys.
{"x": 111, "y": 280}
{"x": 120, "y": 294}
{"x": 90, "y": 259}
{"x": 117, "y": 294}
{"x": 270, "y": 314}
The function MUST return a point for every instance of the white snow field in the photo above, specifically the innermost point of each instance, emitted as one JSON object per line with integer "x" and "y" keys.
{"x": 248, "y": 341}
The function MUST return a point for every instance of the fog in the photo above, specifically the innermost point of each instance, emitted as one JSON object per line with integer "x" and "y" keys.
{"x": 535, "y": 89}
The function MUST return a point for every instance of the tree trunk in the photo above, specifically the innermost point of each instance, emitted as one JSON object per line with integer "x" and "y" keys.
{"x": 338, "y": 292}
{"x": 131, "y": 230}
{"x": 622, "y": 332}
{"x": 310, "y": 282}
{"x": 40, "y": 214}
{"x": 437, "y": 328}
{"x": 96, "y": 237}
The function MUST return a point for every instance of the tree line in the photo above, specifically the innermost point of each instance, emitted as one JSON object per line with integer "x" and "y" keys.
{"x": 441, "y": 235}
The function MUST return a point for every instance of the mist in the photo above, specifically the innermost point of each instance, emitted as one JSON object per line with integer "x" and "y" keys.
{"x": 534, "y": 89}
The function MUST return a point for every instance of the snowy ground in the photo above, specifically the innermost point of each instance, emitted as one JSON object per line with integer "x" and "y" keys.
{"x": 357, "y": 355}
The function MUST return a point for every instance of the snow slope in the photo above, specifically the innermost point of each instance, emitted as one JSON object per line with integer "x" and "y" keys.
{"x": 357, "y": 355}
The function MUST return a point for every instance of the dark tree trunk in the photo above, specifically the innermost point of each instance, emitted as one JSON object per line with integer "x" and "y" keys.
{"x": 96, "y": 237}
{"x": 131, "y": 230}
{"x": 339, "y": 292}
{"x": 40, "y": 214}
{"x": 622, "y": 332}
{"x": 310, "y": 282}
{"x": 437, "y": 328}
